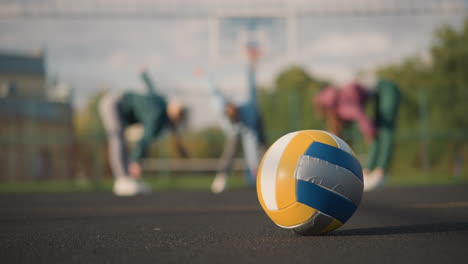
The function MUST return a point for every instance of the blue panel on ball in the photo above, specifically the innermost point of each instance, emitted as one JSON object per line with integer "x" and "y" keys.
{"x": 336, "y": 156}
{"x": 324, "y": 200}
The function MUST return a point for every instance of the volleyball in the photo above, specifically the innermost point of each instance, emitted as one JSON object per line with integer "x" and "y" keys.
{"x": 309, "y": 181}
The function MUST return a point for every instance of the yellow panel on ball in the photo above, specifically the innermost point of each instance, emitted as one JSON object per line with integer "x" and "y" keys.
{"x": 335, "y": 224}
{"x": 291, "y": 216}
{"x": 320, "y": 136}
{"x": 285, "y": 181}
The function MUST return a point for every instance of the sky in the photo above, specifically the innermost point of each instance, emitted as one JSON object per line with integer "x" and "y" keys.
{"x": 94, "y": 52}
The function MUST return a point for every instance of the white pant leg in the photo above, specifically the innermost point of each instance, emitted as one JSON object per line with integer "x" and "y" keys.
{"x": 250, "y": 145}
{"x": 230, "y": 147}
{"x": 115, "y": 134}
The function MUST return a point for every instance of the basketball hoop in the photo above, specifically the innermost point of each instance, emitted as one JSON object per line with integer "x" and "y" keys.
{"x": 253, "y": 51}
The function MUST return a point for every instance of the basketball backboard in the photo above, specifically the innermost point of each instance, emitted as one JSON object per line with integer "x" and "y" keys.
{"x": 273, "y": 33}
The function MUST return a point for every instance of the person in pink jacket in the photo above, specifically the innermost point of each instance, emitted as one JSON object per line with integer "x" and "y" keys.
{"x": 340, "y": 106}
{"x": 346, "y": 105}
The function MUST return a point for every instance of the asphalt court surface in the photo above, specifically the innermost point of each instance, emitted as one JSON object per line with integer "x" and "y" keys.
{"x": 392, "y": 225}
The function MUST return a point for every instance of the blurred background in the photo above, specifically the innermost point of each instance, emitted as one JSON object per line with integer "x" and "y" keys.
{"x": 58, "y": 57}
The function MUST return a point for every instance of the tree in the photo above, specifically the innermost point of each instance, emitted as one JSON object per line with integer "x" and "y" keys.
{"x": 288, "y": 107}
{"x": 443, "y": 77}
{"x": 91, "y": 157}
{"x": 414, "y": 78}
{"x": 450, "y": 73}
{"x": 437, "y": 85}
{"x": 87, "y": 121}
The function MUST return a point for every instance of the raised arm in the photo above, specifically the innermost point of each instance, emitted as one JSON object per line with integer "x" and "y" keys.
{"x": 213, "y": 88}
{"x": 148, "y": 82}
{"x": 219, "y": 100}
{"x": 252, "y": 82}
{"x": 253, "y": 55}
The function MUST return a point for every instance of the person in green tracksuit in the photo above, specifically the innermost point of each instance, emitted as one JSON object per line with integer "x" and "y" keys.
{"x": 154, "y": 113}
{"x": 387, "y": 101}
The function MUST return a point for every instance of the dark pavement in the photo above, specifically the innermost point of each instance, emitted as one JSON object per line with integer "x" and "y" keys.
{"x": 392, "y": 225}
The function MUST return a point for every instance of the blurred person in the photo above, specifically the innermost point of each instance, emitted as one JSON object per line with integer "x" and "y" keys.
{"x": 154, "y": 113}
{"x": 324, "y": 107}
{"x": 343, "y": 106}
{"x": 387, "y": 101}
{"x": 239, "y": 121}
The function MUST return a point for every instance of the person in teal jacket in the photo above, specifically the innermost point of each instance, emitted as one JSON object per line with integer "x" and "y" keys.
{"x": 242, "y": 122}
{"x": 154, "y": 113}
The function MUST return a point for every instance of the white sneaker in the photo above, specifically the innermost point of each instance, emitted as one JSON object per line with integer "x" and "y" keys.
{"x": 126, "y": 186}
{"x": 373, "y": 180}
{"x": 219, "y": 183}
